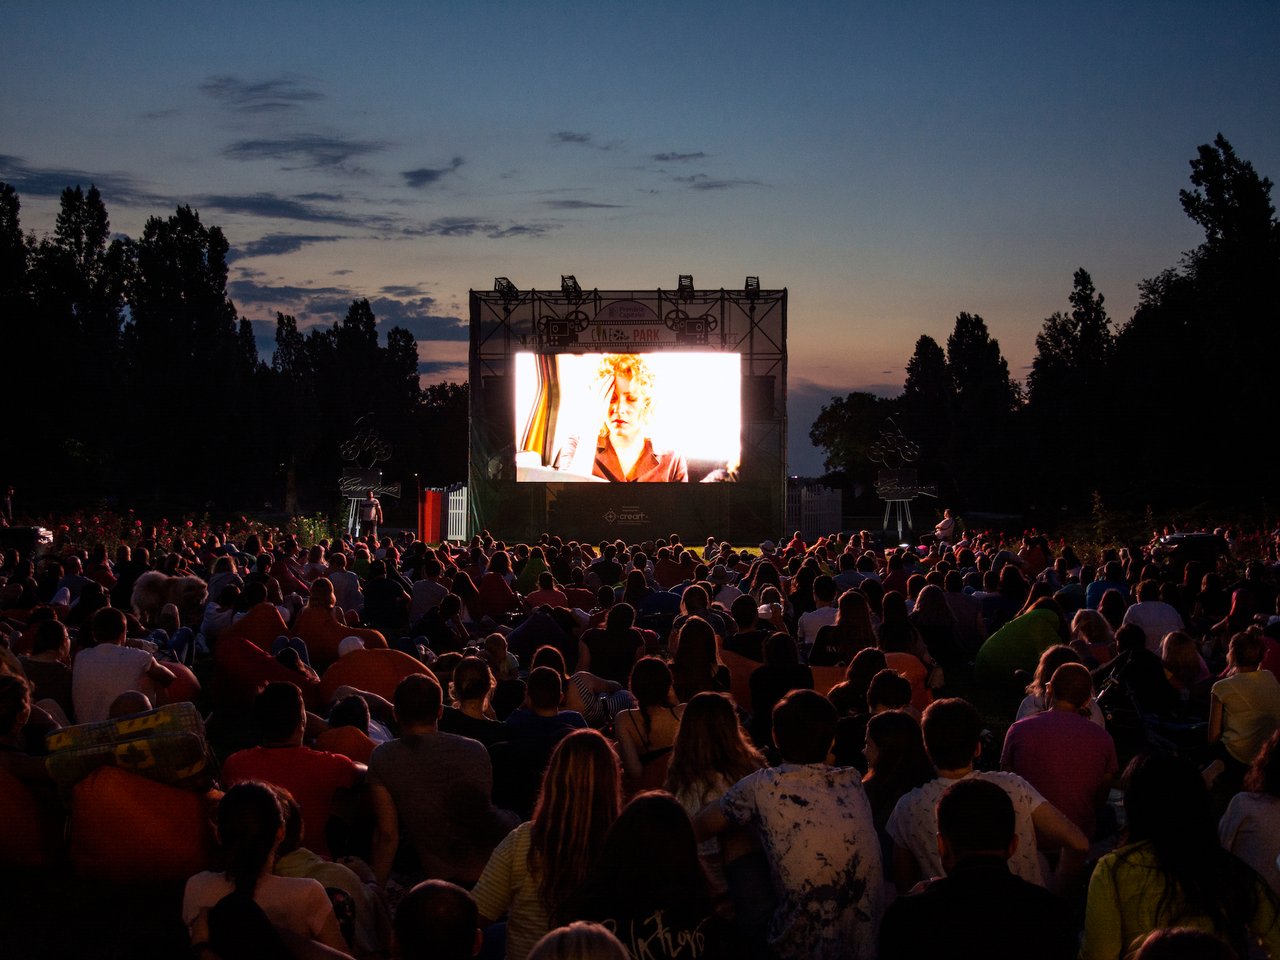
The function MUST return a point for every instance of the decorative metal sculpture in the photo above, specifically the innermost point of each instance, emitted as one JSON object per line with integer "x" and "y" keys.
{"x": 897, "y": 484}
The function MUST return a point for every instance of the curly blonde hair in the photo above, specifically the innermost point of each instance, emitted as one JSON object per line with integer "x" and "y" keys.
{"x": 633, "y": 367}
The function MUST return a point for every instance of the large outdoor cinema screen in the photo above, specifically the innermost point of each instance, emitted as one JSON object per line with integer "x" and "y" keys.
{"x": 659, "y": 417}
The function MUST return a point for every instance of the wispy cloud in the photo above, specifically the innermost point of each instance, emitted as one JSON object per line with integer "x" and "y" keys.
{"x": 570, "y": 136}
{"x": 700, "y": 181}
{"x": 679, "y": 157}
{"x": 310, "y": 151}
{"x": 426, "y": 176}
{"x": 161, "y": 114}
{"x": 51, "y": 181}
{"x": 273, "y": 95}
{"x": 471, "y": 226}
{"x": 580, "y": 205}
{"x": 276, "y": 244}
{"x": 277, "y": 207}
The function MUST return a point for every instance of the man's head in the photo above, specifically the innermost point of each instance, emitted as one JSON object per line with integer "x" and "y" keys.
{"x": 824, "y": 590}
{"x": 279, "y": 713}
{"x": 952, "y": 730}
{"x": 418, "y": 700}
{"x": 804, "y": 726}
{"x": 438, "y": 921}
{"x": 975, "y": 817}
{"x": 108, "y": 626}
{"x": 1071, "y": 684}
{"x": 545, "y": 690}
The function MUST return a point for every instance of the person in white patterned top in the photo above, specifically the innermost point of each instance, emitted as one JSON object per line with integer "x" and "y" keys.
{"x": 952, "y": 733}
{"x": 815, "y": 825}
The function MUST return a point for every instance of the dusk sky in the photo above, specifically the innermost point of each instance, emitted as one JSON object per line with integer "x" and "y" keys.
{"x": 890, "y": 164}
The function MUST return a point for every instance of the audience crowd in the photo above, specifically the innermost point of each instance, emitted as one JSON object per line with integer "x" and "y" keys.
{"x": 375, "y": 748}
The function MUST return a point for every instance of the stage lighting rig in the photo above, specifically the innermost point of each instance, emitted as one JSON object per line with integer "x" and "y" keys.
{"x": 570, "y": 288}
{"x": 685, "y": 286}
{"x": 505, "y": 289}
{"x": 751, "y": 287}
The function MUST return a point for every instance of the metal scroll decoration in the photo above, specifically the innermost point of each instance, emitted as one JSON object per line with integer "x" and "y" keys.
{"x": 897, "y": 483}
{"x": 363, "y": 452}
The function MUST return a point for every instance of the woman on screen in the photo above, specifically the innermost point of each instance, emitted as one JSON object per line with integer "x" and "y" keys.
{"x": 621, "y": 403}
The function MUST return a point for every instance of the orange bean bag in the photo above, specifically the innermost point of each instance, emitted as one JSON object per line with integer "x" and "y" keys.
{"x": 824, "y": 678}
{"x": 322, "y": 634}
{"x": 260, "y": 626}
{"x": 30, "y": 831}
{"x": 377, "y": 671}
{"x": 241, "y": 669}
{"x": 185, "y": 687}
{"x": 128, "y": 829}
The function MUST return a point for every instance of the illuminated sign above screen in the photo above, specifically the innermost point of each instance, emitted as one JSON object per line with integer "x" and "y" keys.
{"x": 664, "y": 417}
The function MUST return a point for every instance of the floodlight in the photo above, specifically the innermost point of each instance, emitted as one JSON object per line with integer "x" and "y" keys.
{"x": 569, "y": 287}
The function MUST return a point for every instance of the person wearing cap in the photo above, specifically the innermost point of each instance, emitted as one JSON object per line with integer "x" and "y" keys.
{"x": 723, "y": 581}
{"x": 769, "y": 551}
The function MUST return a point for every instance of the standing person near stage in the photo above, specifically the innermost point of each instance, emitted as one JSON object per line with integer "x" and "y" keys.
{"x": 370, "y": 514}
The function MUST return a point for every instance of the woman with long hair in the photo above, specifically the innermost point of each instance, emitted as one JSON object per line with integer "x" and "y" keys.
{"x": 532, "y": 873}
{"x": 1187, "y": 673}
{"x": 712, "y": 753}
{"x": 647, "y": 733}
{"x": 1250, "y": 828}
{"x": 897, "y": 632}
{"x": 1092, "y": 638}
{"x": 850, "y": 700}
{"x": 838, "y": 642}
{"x": 937, "y": 626}
{"x": 649, "y": 879}
{"x": 782, "y": 671}
{"x": 250, "y": 829}
{"x": 1173, "y": 871}
{"x": 472, "y": 607}
{"x": 636, "y": 589}
{"x": 696, "y": 666}
{"x": 897, "y": 762}
{"x": 1244, "y": 706}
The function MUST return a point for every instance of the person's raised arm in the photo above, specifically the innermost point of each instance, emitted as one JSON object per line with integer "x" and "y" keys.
{"x": 627, "y": 746}
{"x": 1055, "y": 831}
{"x": 386, "y": 832}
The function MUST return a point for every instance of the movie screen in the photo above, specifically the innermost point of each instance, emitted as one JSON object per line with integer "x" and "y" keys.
{"x": 669, "y": 417}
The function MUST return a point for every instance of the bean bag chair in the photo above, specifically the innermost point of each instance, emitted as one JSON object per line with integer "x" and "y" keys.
{"x": 166, "y": 745}
{"x": 377, "y": 671}
{"x": 241, "y": 669}
{"x": 185, "y": 687}
{"x": 740, "y": 670}
{"x": 824, "y": 678}
{"x": 322, "y": 634}
{"x": 911, "y": 667}
{"x": 348, "y": 741}
{"x": 1016, "y": 646}
{"x": 30, "y": 831}
{"x": 260, "y": 626}
{"x": 127, "y": 829}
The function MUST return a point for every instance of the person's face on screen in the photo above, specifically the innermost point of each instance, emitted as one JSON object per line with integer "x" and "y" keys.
{"x": 626, "y": 421}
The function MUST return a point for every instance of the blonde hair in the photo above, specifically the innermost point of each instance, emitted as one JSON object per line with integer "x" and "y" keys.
{"x": 580, "y": 799}
{"x": 633, "y": 367}
{"x": 579, "y": 941}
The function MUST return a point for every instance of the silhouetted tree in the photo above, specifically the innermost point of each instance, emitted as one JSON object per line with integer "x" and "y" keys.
{"x": 925, "y": 408}
{"x": 986, "y": 400}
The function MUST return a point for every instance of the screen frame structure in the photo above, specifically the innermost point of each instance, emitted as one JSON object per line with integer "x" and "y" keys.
{"x": 750, "y": 323}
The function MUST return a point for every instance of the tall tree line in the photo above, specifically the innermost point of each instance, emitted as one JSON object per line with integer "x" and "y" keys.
{"x": 1170, "y": 408}
{"x": 130, "y": 375}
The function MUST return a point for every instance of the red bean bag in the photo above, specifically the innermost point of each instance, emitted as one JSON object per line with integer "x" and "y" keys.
{"x": 30, "y": 831}
{"x": 260, "y": 626}
{"x": 322, "y": 634}
{"x": 127, "y": 829}
{"x": 378, "y": 671}
{"x": 241, "y": 669}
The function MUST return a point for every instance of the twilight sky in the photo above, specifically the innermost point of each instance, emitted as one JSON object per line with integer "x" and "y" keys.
{"x": 891, "y": 164}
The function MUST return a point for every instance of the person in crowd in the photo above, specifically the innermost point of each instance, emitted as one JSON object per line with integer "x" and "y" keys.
{"x": 580, "y": 940}
{"x": 1153, "y": 615}
{"x": 815, "y": 825}
{"x": 952, "y": 736}
{"x": 539, "y": 865}
{"x": 435, "y": 785}
{"x": 250, "y": 830}
{"x": 696, "y": 666}
{"x": 596, "y": 699}
{"x": 322, "y": 783}
{"x": 1092, "y": 638}
{"x": 1250, "y": 827}
{"x": 823, "y": 614}
{"x": 438, "y": 920}
{"x": 1068, "y": 758}
{"x": 1173, "y": 871}
{"x": 977, "y": 836}
{"x": 1244, "y": 706}
{"x": 648, "y": 885}
{"x": 782, "y": 671}
{"x": 711, "y": 753}
{"x": 850, "y": 633}
{"x": 610, "y": 652}
{"x": 897, "y": 763}
{"x": 647, "y": 733}
{"x": 106, "y": 667}
{"x": 1038, "y": 698}
{"x": 937, "y": 626}
{"x": 471, "y": 714}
